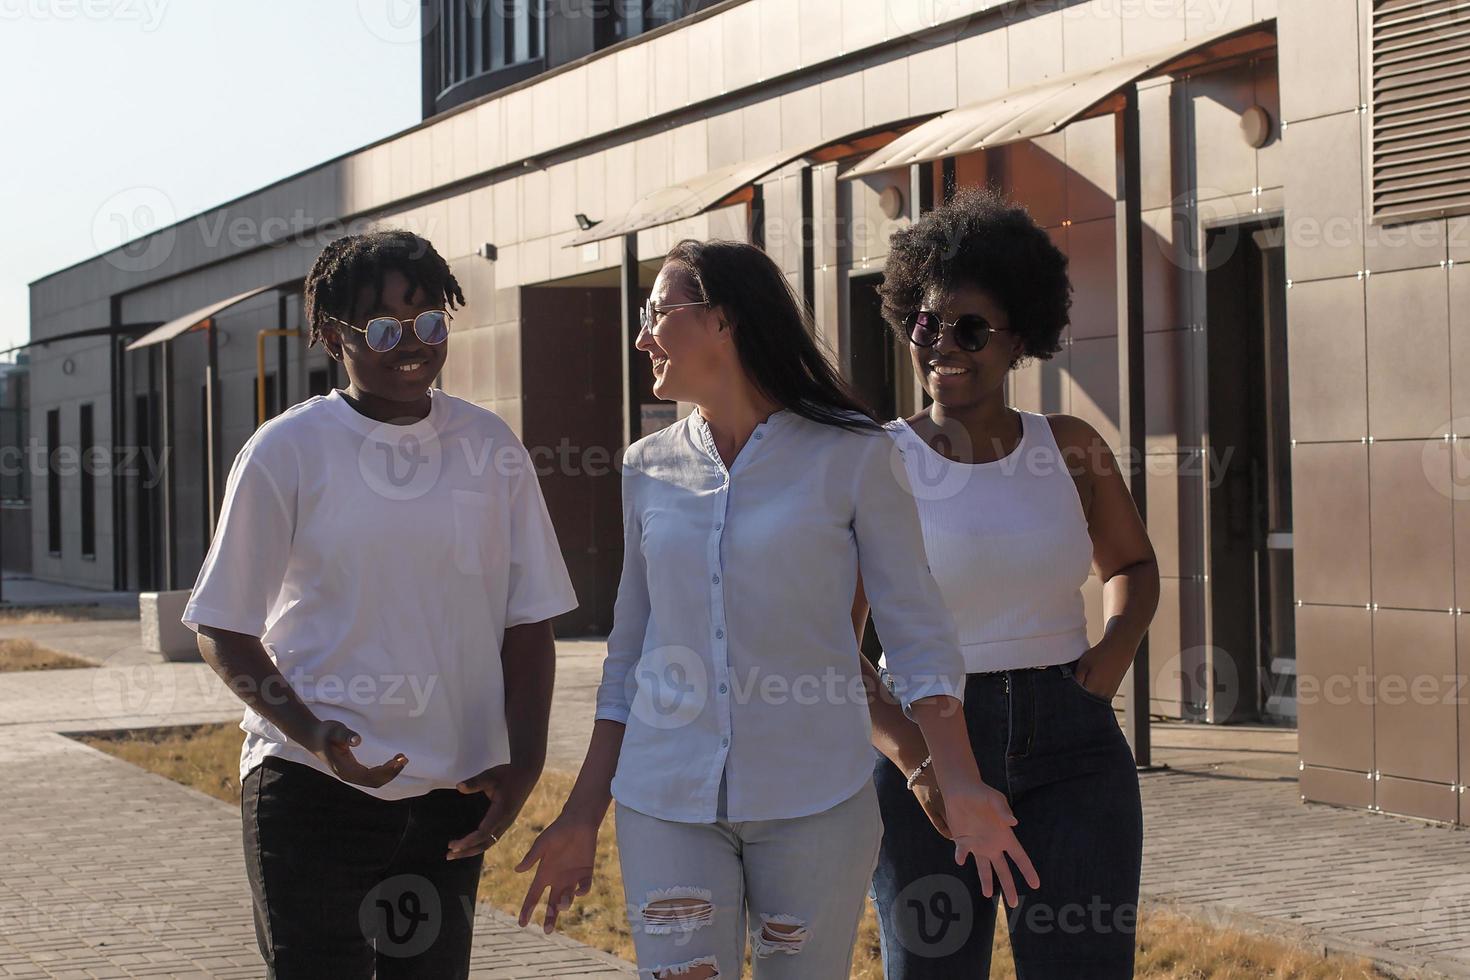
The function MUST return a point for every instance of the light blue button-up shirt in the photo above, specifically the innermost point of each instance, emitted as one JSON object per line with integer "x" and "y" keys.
{"x": 732, "y": 650}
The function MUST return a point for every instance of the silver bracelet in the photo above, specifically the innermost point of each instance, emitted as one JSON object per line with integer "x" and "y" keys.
{"x": 913, "y": 776}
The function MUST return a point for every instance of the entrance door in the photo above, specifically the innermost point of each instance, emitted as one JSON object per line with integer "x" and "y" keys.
{"x": 1249, "y": 468}
{"x": 571, "y": 380}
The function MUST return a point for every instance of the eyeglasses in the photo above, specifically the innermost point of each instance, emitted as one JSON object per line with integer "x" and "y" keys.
{"x": 971, "y": 331}
{"x": 649, "y": 315}
{"x": 384, "y": 332}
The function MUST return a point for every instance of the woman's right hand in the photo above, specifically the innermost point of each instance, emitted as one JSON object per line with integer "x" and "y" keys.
{"x": 982, "y": 822}
{"x": 564, "y": 856}
{"x": 333, "y": 742}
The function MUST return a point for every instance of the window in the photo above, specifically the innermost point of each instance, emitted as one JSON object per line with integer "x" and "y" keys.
{"x": 87, "y": 442}
{"x": 1421, "y": 109}
{"x": 53, "y": 482}
{"x": 481, "y": 36}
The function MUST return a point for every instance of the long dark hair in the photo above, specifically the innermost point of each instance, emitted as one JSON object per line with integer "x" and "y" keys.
{"x": 773, "y": 331}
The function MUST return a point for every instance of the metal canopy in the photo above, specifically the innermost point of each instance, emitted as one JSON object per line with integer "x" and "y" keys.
{"x": 1052, "y": 104}
{"x": 190, "y": 321}
{"x": 692, "y": 197}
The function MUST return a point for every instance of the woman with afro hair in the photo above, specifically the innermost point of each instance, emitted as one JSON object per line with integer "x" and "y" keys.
{"x": 1015, "y": 508}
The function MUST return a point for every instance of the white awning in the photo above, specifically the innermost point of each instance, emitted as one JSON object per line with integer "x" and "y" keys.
{"x": 689, "y": 198}
{"x": 190, "y": 321}
{"x": 1053, "y": 103}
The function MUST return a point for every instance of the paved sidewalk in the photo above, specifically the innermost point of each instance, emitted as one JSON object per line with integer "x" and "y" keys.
{"x": 110, "y": 871}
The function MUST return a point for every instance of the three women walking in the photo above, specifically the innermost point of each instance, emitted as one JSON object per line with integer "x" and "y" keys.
{"x": 736, "y": 720}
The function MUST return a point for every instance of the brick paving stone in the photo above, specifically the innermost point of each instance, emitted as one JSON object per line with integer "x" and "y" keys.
{"x": 111, "y": 871}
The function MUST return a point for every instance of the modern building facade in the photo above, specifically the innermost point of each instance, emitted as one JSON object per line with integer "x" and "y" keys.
{"x": 1265, "y": 209}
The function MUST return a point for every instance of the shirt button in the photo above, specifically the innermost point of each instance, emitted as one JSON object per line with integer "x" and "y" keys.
{"x": 717, "y": 580}
{"x": 724, "y": 688}
{"x": 725, "y": 742}
{"x": 719, "y": 634}
{"x": 757, "y": 435}
{"x": 719, "y": 527}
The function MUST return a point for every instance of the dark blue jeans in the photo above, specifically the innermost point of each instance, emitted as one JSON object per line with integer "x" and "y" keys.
{"x": 1056, "y": 751}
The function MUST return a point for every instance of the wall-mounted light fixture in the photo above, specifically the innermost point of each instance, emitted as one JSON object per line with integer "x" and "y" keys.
{"x": 488, "y": 252}
{"x": 586, "y": 223}
{"x": 1255, "y": 126}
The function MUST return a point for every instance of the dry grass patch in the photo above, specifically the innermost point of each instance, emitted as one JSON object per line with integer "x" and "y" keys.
{"x": 34, "y": 615}
{"x": 18, "y": 654}
{"x": 202, "y": 757}
{"x": 1170, "y": 946}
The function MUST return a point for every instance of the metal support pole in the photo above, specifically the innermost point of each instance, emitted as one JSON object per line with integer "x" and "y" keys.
{"x": 631, "y": 299}
{"x": 213, "y": 429}
{"x": 166, "y": 458}
{"x": 1129, "y": 221}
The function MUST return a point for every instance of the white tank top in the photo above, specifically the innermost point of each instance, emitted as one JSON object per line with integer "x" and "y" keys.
{"x": 1007, "y": 542}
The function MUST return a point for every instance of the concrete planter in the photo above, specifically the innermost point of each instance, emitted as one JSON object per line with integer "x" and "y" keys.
{"x": 158, "y": 616}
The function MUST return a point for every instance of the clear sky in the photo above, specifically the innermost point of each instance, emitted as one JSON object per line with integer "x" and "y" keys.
{"x": 182, "y": 104}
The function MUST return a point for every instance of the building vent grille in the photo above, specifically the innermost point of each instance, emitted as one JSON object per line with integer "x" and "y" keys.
{"x": 1420, "y": 109}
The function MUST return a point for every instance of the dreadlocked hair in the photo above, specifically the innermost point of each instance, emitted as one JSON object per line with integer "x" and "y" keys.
{"x": 354, "y": 261}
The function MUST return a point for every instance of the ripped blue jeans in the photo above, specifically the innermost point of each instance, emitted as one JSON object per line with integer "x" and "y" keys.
{"x": 693, "y": 890}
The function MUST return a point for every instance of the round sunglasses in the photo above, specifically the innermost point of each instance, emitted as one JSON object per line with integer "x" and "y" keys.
{"x": 384, "y": 332}
{"x": 971, "y": 331}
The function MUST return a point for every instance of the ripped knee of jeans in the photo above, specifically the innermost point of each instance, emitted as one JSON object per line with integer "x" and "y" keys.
{"x": 704, "y": 968}
{"x": 679, "y": 909}
{"x": 779, "y": 934}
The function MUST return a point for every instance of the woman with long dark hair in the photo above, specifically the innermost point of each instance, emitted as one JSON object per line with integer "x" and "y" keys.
{"x": 1014, "y": 508}
{"x": 732, "y": 720}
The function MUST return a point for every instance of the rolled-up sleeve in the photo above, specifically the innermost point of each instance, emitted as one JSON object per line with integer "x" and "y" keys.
{"x": 918, "y": 632}
{"x": 630, "y": 612}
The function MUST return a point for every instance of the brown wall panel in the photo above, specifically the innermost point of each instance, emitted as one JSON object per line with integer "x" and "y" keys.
{"x": 1330, "y": 515}
{"x": 1092, "y": 264}
{"x": 1172, "y": 411}
{"x": 1412, "y": 798}
{"x": 1176, "y": 513}
{"x": 1414, "y": 714}
{"x": 1094, "y": 385}
{"x": 1324, "y": 195}
{"x": 1337, "y": 787}
{"x": 1412, "y": 530}
{"x": 1334, "y": 666}
{"x": 1327, "y": 350}
{"x": 1408, "y": 353}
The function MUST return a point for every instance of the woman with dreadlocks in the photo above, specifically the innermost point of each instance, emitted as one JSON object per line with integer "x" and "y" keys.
{"x": 379, "y": 593}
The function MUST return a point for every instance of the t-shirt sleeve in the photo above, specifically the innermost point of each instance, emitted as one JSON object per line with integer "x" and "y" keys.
{"x": 246, "y": 564}
{"x": 540, "y": 588}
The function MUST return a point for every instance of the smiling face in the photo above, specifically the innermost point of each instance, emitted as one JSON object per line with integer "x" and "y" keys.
{"x": 958, "y": 379}
{"x": 403, "y": 374}
{"x": 693, "y": 354}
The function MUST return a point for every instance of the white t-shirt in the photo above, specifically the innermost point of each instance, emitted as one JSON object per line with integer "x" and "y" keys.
{"x": 381, "y": 565}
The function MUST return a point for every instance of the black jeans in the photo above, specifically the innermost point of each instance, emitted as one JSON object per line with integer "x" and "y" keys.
{"x": 346, "y": 885}
{"x": 1056, "y": 751}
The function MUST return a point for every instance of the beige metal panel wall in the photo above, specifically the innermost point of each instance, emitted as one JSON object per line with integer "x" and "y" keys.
{"x": 62, "y": 380}
{"x": 1376, "y": 317}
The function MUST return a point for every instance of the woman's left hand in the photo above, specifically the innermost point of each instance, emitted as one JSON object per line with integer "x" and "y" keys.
{"x": 1101, "y": 670}
{"x": 507, "y": 786}
{"x": 980, "y": 821}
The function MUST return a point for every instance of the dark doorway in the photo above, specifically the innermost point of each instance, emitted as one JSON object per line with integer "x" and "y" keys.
{"x": 1249, "y": 469}
{"x": 872, "y": 363}
{"x": 572, "y": 424}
